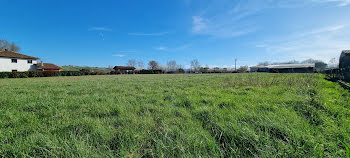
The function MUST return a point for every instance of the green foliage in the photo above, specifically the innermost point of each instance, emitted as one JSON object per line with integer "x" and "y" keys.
{"x": 347, "y": 149}
{"x": 207, "y": 115}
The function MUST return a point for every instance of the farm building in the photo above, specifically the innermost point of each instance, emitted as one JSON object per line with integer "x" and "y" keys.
{"x": 48, "y": 67}
{"x": 344, "y": 65}
{"x": 259, "y": 68}
{"x": 13, "y": 62}
{"x": 284, "y": 68}
{"x": 292, "y": 68}
{"x": 124, "y": 69}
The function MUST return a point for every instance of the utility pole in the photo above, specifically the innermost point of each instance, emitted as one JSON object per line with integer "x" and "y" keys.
{"x": 236, "y": 65}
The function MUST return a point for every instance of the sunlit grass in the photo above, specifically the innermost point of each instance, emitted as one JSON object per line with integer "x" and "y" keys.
{"x": 295, "y": 115}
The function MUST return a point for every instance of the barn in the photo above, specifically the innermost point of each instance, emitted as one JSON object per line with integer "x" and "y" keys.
{"x": 124, "y": 69}
{"x": 292, "y": 68}
{"x": 344, "y": 65}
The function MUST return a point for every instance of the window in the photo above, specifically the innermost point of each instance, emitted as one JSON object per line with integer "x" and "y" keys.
{"x": 14, "y": 70}
{"x": 30, "y": 61}
{"x": 14, "y": 60}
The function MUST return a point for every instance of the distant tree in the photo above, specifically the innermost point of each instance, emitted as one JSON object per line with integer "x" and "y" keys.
{"x": 14, "y": 47}
{"x": 153, "y": 65}
{"x": 288, "y": 62}
{"x": 243, "y": 68}
{"x": 131, "y": 63}
{"x": 311, "y": 61}
{"x": 195, "y": 66}
{"x": 320, "y": 66}
{"x": 333, "y": 63}
{"x": 140, "y": 65}
{"x": 4, "y": 44}
{"x": 204, "y": 69}
{"x": 180, "y": 70}
{"x": 171, "y": 66}
{"x": 265, "y": 63}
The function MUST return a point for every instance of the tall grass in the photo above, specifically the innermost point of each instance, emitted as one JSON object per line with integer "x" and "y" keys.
{"x": 215, "y": 115}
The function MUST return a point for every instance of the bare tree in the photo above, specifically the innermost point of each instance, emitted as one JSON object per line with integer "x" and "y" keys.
{"x": 131, "y": 63}
{"x": 14, "y": 47}
{"x": 171, "y": 66}
{"x": 195, "y": 66}
{"x": 4, "y": 44}
{"x": 333, "y": 63}
{"x": 153, "y": 65}
{"x": 140, "y": 65}
{"x": 243, "y": 68}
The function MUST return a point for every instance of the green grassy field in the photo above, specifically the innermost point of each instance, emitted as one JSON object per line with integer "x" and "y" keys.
{"x": 215, "y": 115}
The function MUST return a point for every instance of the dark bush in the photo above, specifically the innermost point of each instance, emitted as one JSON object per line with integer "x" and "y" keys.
{"x": 5, "y": 74}
{"x": 40, "y": 74}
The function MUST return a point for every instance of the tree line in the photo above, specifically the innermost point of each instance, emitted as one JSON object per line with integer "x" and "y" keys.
{"x": 173, "y": 67}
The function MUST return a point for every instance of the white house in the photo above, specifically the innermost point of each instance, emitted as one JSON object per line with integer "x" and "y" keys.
{"x": 12, "y": 62}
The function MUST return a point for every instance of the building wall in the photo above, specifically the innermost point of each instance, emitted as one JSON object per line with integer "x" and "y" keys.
{"x": 344, "y": 66}
{"x": 293, "y": 70}
{"x": 22, "y": 65}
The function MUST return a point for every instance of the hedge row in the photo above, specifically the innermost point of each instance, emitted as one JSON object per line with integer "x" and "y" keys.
{"x": 39, "y": 74}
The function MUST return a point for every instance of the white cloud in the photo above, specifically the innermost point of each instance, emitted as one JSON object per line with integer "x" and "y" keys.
{"x": 320, "y": 43}
{"x": 99, "y": 29}
{"x": 199, "y": 24}
{"x": 217, "y": 28}
{"x": 182, "y": 47}
{"x": 340, "y": 3}
{"x": 227, "y": 19}
{"x": 162, "y": 48}
{"x": 148, "y": 34}
{"x": 128, "y": 51}
{"x": 119, "y": 55}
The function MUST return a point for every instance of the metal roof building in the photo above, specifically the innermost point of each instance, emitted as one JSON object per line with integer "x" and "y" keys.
{"x": 284, "y": 68}
{"x": 344, "y": 65}
{"x": 292, "y": 68}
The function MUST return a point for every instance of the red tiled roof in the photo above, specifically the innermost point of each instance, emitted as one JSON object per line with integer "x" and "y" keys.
{"x": 48, "y": 66}
{"x": 10, "y": 54}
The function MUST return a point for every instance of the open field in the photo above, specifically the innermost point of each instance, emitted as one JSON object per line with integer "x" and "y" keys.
{"x": 215, "y": 115}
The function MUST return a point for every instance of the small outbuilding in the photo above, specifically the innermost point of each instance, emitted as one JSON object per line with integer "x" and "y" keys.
{"x": 47, "y": 67}
{"x": 124, "y": 69}
{"x": 344, "y": 65}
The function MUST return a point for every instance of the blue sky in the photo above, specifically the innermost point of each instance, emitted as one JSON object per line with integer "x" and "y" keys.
{"x": 106, "y": 32}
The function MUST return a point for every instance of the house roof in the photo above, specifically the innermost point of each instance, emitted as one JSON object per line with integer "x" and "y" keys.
{"x": 47, "y": 66}
{"x": 124, "y": 67}
{"x": 293, "y": 66}
{"x": 11, "y": 54}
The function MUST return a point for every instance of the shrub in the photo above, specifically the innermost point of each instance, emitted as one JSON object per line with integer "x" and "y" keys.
{"x": 41, "y": 74}
{"x": 5, "y": 74}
